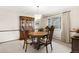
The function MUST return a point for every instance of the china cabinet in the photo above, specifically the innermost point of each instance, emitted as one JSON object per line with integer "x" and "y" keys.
{"x": 26, "y": 23}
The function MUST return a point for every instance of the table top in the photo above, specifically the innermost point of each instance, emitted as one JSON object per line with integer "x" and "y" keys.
{"x": 38, "y": 33}
{"x": 75, "y": 37}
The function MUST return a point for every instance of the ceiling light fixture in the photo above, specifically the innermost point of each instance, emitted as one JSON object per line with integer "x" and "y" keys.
{"x": 37, "y": 15}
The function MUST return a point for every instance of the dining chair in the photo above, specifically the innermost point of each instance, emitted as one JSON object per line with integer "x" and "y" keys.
{"x": 41, "y": 29}
{"x": 26, "y": 40}
{"x": 48, "y": 41}
{"x": 47, "y": 28}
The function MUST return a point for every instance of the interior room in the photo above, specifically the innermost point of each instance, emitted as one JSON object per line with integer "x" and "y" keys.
{"x": 39, "y": 29}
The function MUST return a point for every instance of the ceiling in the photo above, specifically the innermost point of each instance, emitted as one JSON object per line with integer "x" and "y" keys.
{"x": 32, "y": 10}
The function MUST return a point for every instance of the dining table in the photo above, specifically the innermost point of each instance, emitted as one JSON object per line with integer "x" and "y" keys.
{"x": 37, "y": 36}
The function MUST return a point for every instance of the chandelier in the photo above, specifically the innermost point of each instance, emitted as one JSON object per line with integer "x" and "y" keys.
{"x": 38, "y": 15}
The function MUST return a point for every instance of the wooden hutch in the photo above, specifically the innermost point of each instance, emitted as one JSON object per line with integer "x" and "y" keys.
{"x": 26, "y": 23}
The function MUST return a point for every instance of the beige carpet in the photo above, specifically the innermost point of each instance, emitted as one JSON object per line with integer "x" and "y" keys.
{"x": 16, "y": 47}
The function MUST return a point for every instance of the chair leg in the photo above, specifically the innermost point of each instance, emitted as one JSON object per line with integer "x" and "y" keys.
{"x": 24, "y": 44}
{"x": 46, "y": 49}
{"x": 51, "y": 46}
{"x": 26, "y": 47}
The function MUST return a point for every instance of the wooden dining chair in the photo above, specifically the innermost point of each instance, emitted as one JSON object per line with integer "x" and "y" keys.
{"x": 25, "y": 40}
{"x": 41, "y": 29}
{"x": 48, "y": 40}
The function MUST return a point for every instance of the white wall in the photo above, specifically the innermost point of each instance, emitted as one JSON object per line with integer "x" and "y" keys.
{"x": 74, "y": 20}
{"x": 9, "y": 20}
{"x": 44, "y": 22}
{"x": 74, "y": 15}
{"x": 37, "y": 26}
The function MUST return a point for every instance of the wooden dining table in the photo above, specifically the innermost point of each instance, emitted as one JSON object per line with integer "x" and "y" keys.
{"x": 37, "y": 35}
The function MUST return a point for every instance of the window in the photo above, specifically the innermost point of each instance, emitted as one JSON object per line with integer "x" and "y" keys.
{"x": 57, "y": 22}
{"x": 49, "y": 22}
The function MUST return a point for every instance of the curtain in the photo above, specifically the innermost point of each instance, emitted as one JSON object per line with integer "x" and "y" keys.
{"x": 65, "y": 33}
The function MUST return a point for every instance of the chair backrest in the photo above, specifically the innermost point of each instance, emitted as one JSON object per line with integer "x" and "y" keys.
{"x": 47, "y": 29}
{"x": 26, "y": 34}
{"x": 51, "y": 33}
{"x": 41, "y": 29}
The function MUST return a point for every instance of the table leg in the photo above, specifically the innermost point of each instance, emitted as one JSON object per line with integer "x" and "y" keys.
{"x": 38, "y": 43}
{"x": 32, "y": 40}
